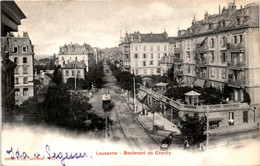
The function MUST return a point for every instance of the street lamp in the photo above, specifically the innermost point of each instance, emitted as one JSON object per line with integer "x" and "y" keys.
{"x": 134, "y": 102}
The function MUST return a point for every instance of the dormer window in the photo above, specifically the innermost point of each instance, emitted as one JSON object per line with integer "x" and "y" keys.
{"x": 223, "y": 24}
{"x": 24, "y": 49}
{"x": 15, "y": 49}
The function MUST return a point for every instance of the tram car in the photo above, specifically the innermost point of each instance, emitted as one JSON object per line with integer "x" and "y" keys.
{"x": 106, "y": 102}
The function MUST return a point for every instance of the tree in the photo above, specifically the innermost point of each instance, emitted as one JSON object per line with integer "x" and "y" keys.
{"x": 193, "y": 128}
{"x": 57, "y": 76}
{"x": 154, "y": 108}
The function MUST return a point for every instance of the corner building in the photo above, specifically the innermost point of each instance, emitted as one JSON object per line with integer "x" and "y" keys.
{"x": 22, "y": 54}
{"x": 223, "y": 49}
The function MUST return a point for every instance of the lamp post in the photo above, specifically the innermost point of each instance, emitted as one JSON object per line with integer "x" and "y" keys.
{"x": 207, "y": 131}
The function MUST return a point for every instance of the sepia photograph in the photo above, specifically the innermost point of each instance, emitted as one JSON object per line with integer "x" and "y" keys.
{"x": 130, "y": 82}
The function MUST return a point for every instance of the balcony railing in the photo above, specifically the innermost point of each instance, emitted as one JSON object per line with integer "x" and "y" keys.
{"x": 202, "y": 48}
{"x": 237, "y": 82}
{"x": 178, "y": 72}
{"x": 177, "y": 60}
{"x": 177, "y": 50}
{"x": 237, "y": 46}
{"x": 233, "y": 64}
{"x": 202, "y": 61}
{"x": 201, "y": 75}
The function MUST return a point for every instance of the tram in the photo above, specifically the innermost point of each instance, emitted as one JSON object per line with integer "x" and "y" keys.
{"x": 106, "y": 102}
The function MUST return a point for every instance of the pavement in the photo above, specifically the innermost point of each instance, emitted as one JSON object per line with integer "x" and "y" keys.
{"x": 147, "y": 120}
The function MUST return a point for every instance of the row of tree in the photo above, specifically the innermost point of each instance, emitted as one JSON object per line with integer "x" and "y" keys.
{"x": 124, "y": 78}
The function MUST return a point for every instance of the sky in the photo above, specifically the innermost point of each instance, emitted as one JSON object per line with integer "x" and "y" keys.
{"x": 51, "y": 24}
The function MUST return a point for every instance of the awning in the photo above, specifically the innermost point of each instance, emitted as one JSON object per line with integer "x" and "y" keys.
{"x": 141, "y": 95}
{"x": 162, "y": 84}
{"x": 199, "y": 82}
{"x": 200, "y": 40}
{"x": 192, "y": 93}
{"x": 214, "y": 116}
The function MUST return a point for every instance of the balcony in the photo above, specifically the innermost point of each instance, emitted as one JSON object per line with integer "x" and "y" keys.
{"x": 236, "y": 65}
{"x": 178, "y": 73}
{"x": 201, "y": 49}
{"x": 236, "y": 47}
{"x": 201, "y": 62}
{"x": 177, "y": 60}
{"x": 177, "y": 50}
{"x": 201, "y": 75}
{"x": 236, "y": 82}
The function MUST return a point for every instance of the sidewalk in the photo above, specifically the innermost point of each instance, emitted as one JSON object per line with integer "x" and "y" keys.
{"x": 147, "y": 120}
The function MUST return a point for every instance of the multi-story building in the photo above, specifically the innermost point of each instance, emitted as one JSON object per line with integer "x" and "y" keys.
{"x": 143, "y": 52}
{"x": 72, "y": 52}
{"x": 74, "y": 69}
{"x": 22, "y": 54}
{"x": 124, "y": 47}
{"x": 223, "y": 49}
{"x": 11, "y": 16}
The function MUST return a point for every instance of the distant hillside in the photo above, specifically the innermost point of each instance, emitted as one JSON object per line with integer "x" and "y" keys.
{"x": 37, "y": 56}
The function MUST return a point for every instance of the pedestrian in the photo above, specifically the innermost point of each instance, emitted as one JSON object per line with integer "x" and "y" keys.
{"x": 186, "y": 144}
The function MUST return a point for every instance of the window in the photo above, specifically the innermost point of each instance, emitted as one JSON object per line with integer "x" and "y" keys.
{"x": 25, "y": 70}
{"x": 212, "y": 72}
{"x": 24, "y": 60}
{"x": 158, "y": 56}
{"x": 144, "y": 63}
{"x": 78, "y": 72}
{"x": 144, "y": 56}
{"x": 136, "y": 56}
{"x": 188, "y": 68}
{"x": 16, "y": 80}
{"x": 151, "y": 48}
{"x": 223, "y": 41}
{"x": 212, "y": 57}
{"x": 223, "y": 73}
{"x": 67, "y": 73}
{"x": 25, "y": 91}
{"x": 241, "y": 38}
{"x": 24, "y": 49}
{"x": 151, "y": 55}
{"x": 17, "y": 92}
{"x": 151, "y": 63}
{"x": 158, "y": 48}
{"x": 62, "y": 58}
{"x": 245, "y": 116}
{"x": 238, "y": 21}
{"x": 25, "y": 80}
{"x": 223, "y": 57}
{"x": 158, "y": 70}
{"x": 223, "y": 24}
{"x": 213, "y": 124}
{"x": 188, "y": 56}
{"x": 136, "y": 49}
{"x": 16, "y": 71}
{"x": 76, "y": 58}
{"x": 15, "y": 60}
{"x": 144, "y": 48}
{"x": 15, "y": 49}
{"x": 72, "y": 73}
{"x": 136, "y": 71}
{"x": 235, "y": 39}
{"x": 212, "y": 42}
{"x": 231, "y": 118}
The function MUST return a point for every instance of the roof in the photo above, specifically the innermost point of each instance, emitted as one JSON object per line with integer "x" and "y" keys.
{"x": 153, "y": 38}
{"x": 192, "y": 93}
{"x": 162, "y": 84}
{"x": 71, "y": 65}
{"x": 172, "y": 40}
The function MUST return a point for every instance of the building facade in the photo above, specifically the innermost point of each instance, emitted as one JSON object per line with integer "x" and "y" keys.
{"x": 223, "y": 49}
{"x": 11, "y": 16}
{"x": 22, "y": 54}
{"x": 145, "y": 52}
{"x": 73, "y": 70}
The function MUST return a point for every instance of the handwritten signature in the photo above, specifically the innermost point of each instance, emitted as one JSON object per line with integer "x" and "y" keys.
{"x": 50, "y": 155}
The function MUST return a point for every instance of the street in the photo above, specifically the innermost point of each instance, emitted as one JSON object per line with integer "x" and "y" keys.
{"x": 125, "y": 128}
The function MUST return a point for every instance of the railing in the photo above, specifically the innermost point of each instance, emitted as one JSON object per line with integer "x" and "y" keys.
{"x": 236, "y": 64}
{"x": 236, "y": 82}
{"x": 202, "y": 61}
{"x": 202, "y": 48}
{"x": 178, "y": 72}
{"x": 177, "y": 50}
{"x": 237, "y": 46}
{"x": 177, "y": 60}
{"x": 184, "y": 107}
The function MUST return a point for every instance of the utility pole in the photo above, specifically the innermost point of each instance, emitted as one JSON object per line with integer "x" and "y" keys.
{"x": 207, "y": 131}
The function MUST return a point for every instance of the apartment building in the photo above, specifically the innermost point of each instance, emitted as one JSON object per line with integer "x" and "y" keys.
{"x": 146, "y": 51}
{"x": 22, "y": 54}
{"x": 73, "y": 70}
{"x": 223, "y": 49}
